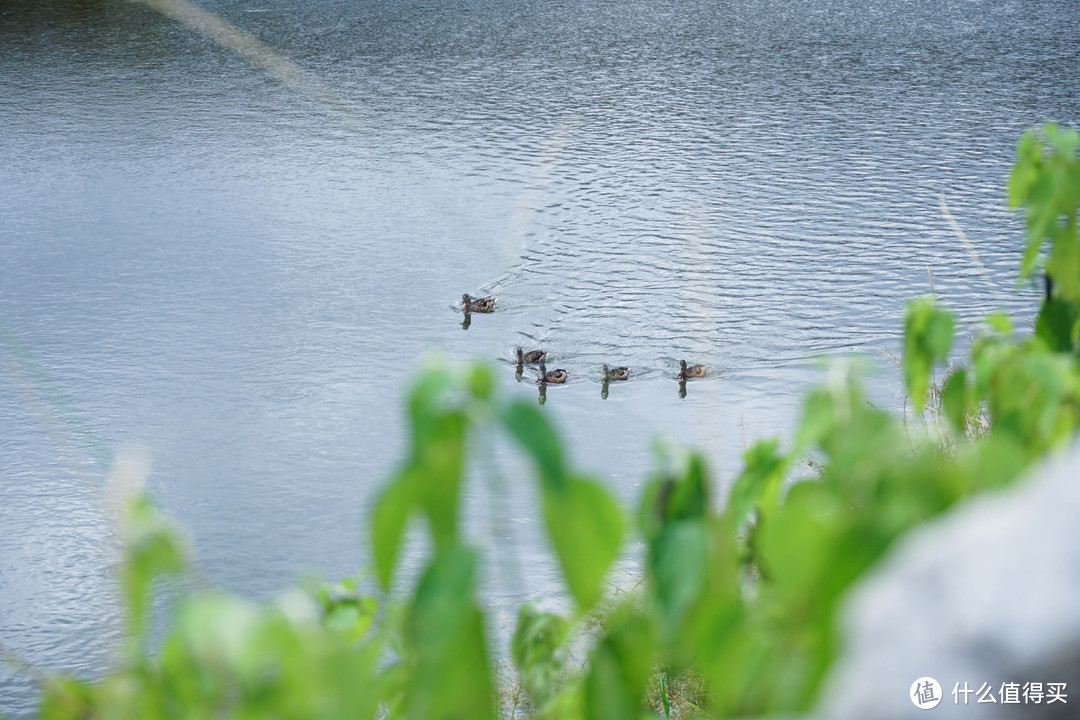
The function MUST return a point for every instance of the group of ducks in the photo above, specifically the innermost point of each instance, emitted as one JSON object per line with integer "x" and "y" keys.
{"x": 558, "y": 376}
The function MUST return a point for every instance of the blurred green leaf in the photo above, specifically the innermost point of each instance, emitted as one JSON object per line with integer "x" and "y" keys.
{"x": 1045, "y": 182}
{"x": 927, "y": 338}
{"x": 481, "y": 382}
{"x": 817, "y": 418}
{"x": 954, "y": 399}
{"x": 426, "y": 400}
{"x": 63, "y": 698}
{"x": 1057, "y": 324}
{"x": 585, "y": 526}
{"x": 440, "y": 473}
{"x": 1000, "y": 322}
{"x": 531, "y": 429}
{"x": 678, "y": 570}
{"x": 450, "y": 677}
{"x": 152, "y": 548}
{"x": 759, "y": 481}
{"x": 535, "y": 649}
{"x": 672, "y": 495}
{"x": 389, "y": 519}
{"x": 351, "y": 617}
{"x": 619, "y": 668}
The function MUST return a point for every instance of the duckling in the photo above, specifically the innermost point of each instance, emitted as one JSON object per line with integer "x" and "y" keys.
{"x": 477, "y": 305}
{"x": 529, "y": 358}
{"x": 693, "y": 371}
{"x": 555, "y": 376}
{"x": 619, "y": 373}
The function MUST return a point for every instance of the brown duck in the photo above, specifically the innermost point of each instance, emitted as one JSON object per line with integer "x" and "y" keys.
{"x": 477, "y": 305}
{"x": 555, "y": 376}
{"x": 692, "y": 371}
{"x": 529, "y": 358}
{"x": 619, "y": 373}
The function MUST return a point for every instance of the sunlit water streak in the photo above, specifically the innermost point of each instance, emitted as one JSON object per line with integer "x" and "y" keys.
{"x": 199, "y": 259}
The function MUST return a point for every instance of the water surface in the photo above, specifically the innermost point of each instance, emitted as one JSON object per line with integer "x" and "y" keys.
{"x": 243, "y": 276}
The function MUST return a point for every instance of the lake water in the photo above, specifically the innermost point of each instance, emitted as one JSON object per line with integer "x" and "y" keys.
{"x": 239, "y": 263}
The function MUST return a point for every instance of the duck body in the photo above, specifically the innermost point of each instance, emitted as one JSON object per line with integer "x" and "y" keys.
{"x": 690, "y": 371}
{"x": 554, "y": 377}
{"x": 619, "y": 373}
{"x": 529, "y": 358}
{"x": 470, "y": 304}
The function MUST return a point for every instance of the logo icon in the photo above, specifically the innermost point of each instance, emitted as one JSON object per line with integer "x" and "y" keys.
{"x": 925, "y": 693}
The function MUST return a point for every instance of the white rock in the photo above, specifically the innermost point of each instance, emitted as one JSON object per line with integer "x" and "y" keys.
{"x": 989, "y": 593}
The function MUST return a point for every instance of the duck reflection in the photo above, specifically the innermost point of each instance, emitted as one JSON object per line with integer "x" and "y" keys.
{"x": 682, "y": 389}
{"x": 467, "y": 321}
{"x": 543, "y": 394}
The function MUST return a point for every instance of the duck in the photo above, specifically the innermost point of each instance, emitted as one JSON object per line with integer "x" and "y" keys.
{"x": 693, "y": 371}
{"x": 529, "y": 358}
{"x": 619, "y": 373}
{"x": 555, "y": 376}
{"x": 477, "y": 305}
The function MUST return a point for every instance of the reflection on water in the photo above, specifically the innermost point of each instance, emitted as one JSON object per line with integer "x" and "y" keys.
{"x": 201, "y": 260}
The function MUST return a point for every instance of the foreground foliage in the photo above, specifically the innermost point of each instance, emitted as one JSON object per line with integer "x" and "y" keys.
{"x": 738, "y": 610}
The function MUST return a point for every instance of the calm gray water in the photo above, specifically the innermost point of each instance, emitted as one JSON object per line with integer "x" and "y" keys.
{"x": 242, "y": 275}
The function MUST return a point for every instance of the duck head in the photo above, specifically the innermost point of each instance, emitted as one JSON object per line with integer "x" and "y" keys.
{"x": 518, "y": 356}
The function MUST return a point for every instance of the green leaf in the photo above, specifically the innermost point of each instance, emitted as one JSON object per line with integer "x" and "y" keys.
{"x": 534, "y": 432}
{"x": 153, "y": 547}
{"x": 619, "y": 668}
{"x": 927, "y": 338}
{"x": 481, "y": 382}
{"x": 1063, "y": 264}
{"x": 585, "y": 526}
{"x": 1000, "y": 322}
{"x": 219, "y": 632}
{"x": 65, "y": 698}
{"x": 939, "y": 334}
{"x": 450, "y": 674}
{"x": 954, "y": 399}
{"x": 803, "y": 544}
{"x": 678, "y": 570}
{"x": 672, "y": 496}
{"x": 351, "y": 618}
{"x": 1057, "y": 323}
{"x": 1045, "y": 182}
{"x": 688, "y": 497}
{"x": 535, "y": 648}
{"x": 425, "y": 401}
{"x": 759, "y": 481}
{"x": 818, "y": 418}
{"x": 583, "y": 521}
{"x": 388, "y": 521}
{"x": 440, "y": 473}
